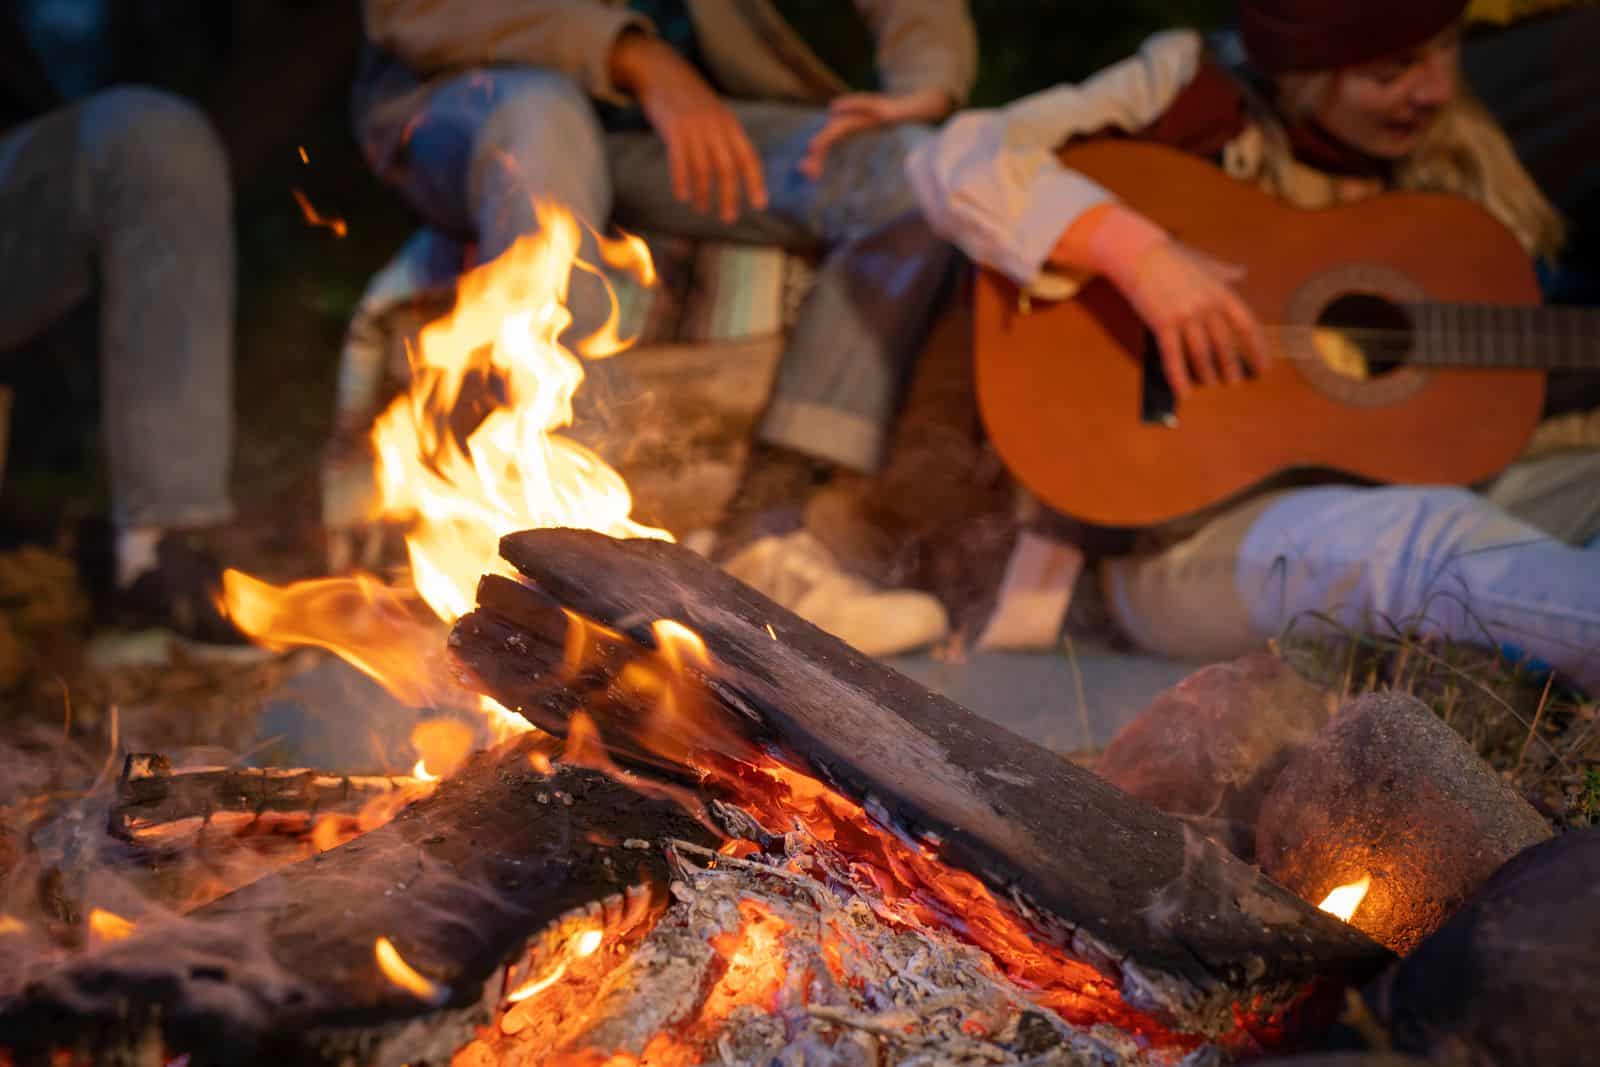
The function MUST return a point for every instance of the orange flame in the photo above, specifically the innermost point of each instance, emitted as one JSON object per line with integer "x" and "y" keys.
{"x": 10, "y": 924}
{"x": 402, "y": 974}
{"x": 1343, "y": 901}
{"x": 109, "y": 926}
{"x": 458, "y": 490}
{"x": 583, "y": 945}
{"x": 379, "y": 630}
{"x": 443, "y": 744}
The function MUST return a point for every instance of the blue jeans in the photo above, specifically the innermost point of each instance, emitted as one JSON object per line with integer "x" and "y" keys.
{"x": 486, "y": 144}
{"x": 1516, "y": 567}
{"x": 126, "y": 196}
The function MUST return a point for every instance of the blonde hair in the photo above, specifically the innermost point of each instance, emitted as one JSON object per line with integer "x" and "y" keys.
{"x": 1466, "y": 153}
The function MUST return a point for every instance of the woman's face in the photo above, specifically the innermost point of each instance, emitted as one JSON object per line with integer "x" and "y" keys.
{"x": 1386, "y": 107}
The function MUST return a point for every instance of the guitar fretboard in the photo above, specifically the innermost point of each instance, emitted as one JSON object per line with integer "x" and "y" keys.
{"x": 1486, "y": 335}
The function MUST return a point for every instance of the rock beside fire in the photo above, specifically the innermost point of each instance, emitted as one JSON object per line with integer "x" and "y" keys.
{"x": 1391, "y": 791}
{"x": 1513, "y": 978}
{"x": 1209, "y": 748}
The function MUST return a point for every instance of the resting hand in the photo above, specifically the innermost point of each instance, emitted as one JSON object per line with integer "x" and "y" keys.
{"x": 855, "y": 112}
{"x": 706, "y": 146}
{"x": 1205, "y": 332}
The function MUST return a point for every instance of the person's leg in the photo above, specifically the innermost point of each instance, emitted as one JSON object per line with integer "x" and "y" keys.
{"x": 131, "y": 188}
{"x": 159, "y": 199}
{"x": 1445, "y": 561}
{"x": 882, "y": 273}
{"x": 489, "y": 146}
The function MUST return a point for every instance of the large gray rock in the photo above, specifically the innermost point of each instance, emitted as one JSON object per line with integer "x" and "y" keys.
{"x": 1389, "y": 790}
{"x": 1513, "y": 979}
{"x": 1209, "y": 748}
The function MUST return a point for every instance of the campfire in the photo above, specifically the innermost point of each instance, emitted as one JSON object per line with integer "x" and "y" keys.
{"x": 694, "y": 828}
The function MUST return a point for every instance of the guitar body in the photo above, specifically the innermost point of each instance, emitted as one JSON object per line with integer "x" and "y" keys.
{"x": 1060, "y": 386}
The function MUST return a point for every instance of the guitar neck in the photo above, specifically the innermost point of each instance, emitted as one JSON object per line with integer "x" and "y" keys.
{"x": 1489, "y": 336}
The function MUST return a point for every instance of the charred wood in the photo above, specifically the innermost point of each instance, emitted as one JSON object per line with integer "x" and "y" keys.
{"x": 1186, "y": 930}
{"x": 150, "y": 792}
{"x": 471, "y": 886}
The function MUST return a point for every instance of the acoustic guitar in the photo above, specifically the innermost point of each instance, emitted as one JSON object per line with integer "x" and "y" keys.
{"x": 1408, "y": 347}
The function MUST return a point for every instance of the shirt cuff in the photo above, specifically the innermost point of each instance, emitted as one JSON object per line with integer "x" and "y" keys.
{"x": 1054, "y": 202}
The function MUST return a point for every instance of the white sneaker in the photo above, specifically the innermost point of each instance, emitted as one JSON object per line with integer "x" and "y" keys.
{"x": 798, "y": 572}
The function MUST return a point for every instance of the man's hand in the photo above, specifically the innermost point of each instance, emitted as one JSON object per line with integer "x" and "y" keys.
{"x": 706, "y": 146}
{"x": 1205, "y": 331}
{"x": 855, "y": 112}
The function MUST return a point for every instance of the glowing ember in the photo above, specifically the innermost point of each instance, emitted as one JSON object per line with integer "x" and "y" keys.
{"x": 402, "y": 974}
{"x": 582, "y": 946}
{"x": 588, "y": 943}
{"x": 757, "y": 964}
{"x": 1343, "y": 901}
{"x": 109, "y": 926}
{"x": 10, "y": 924}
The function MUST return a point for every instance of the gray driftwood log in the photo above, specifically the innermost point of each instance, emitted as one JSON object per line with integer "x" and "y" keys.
{"x": 1185, "y": 929}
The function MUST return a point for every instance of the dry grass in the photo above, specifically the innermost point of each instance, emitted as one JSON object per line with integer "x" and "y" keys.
{"x": 1540, "y": 734}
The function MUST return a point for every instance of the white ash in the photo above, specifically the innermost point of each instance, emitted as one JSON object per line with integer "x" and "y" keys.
{"x": 894, "y": 996}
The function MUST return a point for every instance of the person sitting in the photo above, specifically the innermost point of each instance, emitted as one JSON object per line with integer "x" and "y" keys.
{"x": 698, "y": 119}
{"x": 125, "y": 195}
{"x": 1327, "y": 101}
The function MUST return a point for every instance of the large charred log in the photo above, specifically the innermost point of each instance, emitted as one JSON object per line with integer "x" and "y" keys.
{"x": 483, "y": 875}
{"x": 1187, "y": 931}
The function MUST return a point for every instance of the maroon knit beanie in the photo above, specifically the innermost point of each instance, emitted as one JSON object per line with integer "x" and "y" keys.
{"x": 1305, "y": 35}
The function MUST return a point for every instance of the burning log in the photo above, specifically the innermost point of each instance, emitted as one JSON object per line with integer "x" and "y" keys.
{"x": 1186, "y": 931}
{"x": 392, "y": 948}
{"x": 151, "y": 793}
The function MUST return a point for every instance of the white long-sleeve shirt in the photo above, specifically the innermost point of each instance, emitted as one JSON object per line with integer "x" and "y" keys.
{"x": 990, "y": 181}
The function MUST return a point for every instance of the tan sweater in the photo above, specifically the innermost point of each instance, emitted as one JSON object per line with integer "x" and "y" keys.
{"x": 752, "y": 51}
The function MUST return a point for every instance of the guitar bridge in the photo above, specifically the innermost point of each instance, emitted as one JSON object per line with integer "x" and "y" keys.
{"x": 1158, "y": 406}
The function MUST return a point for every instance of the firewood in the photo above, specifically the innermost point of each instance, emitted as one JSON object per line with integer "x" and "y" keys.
{"x": 476, "y": 877}
{"x": 1186, "y": 930}
{"x": 150, "y": 792}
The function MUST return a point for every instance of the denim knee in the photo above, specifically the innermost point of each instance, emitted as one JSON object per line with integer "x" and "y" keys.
{"x": 147, "y": 138}
{"x": 543, "y": 138}
{"x": 872, "y": 166}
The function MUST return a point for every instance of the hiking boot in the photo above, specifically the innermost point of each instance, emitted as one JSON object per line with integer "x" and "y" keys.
{"x": 180, "y": 592}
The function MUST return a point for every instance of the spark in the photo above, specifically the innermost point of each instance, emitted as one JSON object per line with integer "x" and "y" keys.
{"x": 312, "y": 218}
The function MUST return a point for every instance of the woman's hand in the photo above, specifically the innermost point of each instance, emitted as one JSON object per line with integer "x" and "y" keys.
{"x": 1186, "y": 298}
{"x": 855, "y": 112}
{"x": 1206, "y": 333}
{"x": 706, "y": 146}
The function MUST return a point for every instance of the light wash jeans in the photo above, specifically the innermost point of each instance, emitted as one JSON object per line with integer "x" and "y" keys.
{"x": 1516, "y": 567}
{"x": 489, "y": 143}
{"x": 126, "y": 194}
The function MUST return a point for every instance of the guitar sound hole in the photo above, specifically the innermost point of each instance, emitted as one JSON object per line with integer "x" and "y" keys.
{"x": 1362, "y": 335}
